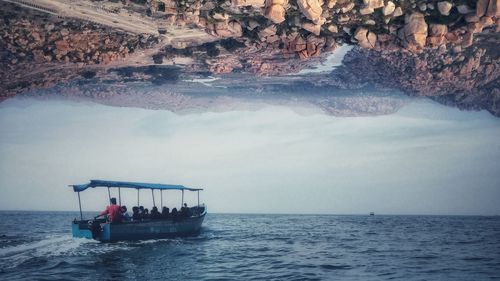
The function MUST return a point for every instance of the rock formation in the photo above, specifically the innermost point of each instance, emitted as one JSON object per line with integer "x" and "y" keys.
{"x": 437, "y": 40}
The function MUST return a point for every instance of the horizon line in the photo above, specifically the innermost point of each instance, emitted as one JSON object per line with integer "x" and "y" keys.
{"x": 284, "y": 213}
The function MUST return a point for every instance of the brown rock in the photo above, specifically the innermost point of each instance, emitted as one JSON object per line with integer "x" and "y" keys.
{"x": 313, "y": 28}
{"x": 481, "y": 7}
{"x": 464, "y": 9}
{"x": 493, "y": 8}
{"x": 474, "y": 27}
{"x": 437, "y": 35}
{"x": 374, "y": 4}
{"x": 266, "y": 32}
{"x": 347, "y": 8}
{"x": 366, "y": 11}
{"x": 444, "y": 7}
{"x": 298, "y": 44}
{"x": 244, "y": 3}
{"x": 397, "y": 12}
{"x": 471, "y": 18}
{"x": 226, "y": 30}
{"x": 331, "y": 3}
{"x": 414, "y": 33}
{"x": 452, "y": 37}
{"x": 468, "y": 39}
{"x": 333, "y": 28}
{"x": 220, "y": 17}
{"x": 365, "y": 38}
{"x": 388, "y": 8}
{"x": 438, "y": 29}
{"x": 252, "y": 25}
{"x": 314, "y": 45}
{"x": 486, "y": 21}
{"x": 275, "y": 12}
{"x": 311, "y": 10}
{"x": 62, "y": 47}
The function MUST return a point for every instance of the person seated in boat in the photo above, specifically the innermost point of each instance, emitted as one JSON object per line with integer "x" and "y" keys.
{"x": 185, "y": 212}
{"x": 155, "y": 215}
{"x": 125, "y": 215}
{"x": 165, "y": 213}
{"x": 141, "y": 212}
{"x": 145, "y": 215}
{"x": 136, "y": 216}
{"x": 174, "y": 213}
{"x": 112, "y": 211}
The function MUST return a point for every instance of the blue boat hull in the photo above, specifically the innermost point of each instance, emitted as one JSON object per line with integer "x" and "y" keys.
{"x": 153, "y": 229}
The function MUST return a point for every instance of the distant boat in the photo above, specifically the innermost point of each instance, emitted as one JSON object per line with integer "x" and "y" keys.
{"x": 372, "y": 213}
{"x": 174, "y": 226}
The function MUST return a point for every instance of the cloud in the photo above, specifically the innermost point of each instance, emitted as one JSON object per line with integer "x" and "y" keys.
{"x": 425, "y": 159}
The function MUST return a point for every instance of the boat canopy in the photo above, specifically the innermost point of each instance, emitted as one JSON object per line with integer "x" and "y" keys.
{"x": 136, "y": 185}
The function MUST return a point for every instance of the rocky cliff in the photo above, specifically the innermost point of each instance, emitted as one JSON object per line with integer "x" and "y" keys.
{"x": 447, "y": 50}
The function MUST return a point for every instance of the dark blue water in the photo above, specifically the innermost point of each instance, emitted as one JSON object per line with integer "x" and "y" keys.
{"x": 39, "y": 246}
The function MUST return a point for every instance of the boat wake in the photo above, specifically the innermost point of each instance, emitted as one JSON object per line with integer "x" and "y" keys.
{"x": 53, "y": 246}
{"x": 49, "y": 247}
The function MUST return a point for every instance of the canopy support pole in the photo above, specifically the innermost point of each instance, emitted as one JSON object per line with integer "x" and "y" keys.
{"x": 198, "y": 198}
{"x": 80, "y": 205}
{"x": 161, "y": 198}
{"x": 182, "y": 204}
{"x": 138, "y": 197}
{"x": 153, "y": 193}
{"x": 119, "y": 196}
{"x": 109, "y": 194}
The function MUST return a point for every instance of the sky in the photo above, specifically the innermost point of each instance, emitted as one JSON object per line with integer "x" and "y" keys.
{"x": 424, "y": 159}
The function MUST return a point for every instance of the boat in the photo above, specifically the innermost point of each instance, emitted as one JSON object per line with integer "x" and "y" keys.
{"x": 173, "y": 226}
{"x": 372, "y": 213}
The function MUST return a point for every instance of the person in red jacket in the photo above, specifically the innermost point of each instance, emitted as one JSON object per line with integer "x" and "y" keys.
{"x": 113, "y": 211}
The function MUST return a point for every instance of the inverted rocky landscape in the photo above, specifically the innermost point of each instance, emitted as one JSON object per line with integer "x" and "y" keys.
{"x": 445, "y": 50}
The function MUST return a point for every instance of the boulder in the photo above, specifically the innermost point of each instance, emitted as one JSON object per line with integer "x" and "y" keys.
{"x": 369, "y": 22}
{"x": 252, "y": 25}
{"x": 444, "y": 7}
{"x": 267, "y": 32}
{"x": 486, "y": 21}
{"x": 397, "y": 12}
{"x": 253, "y": 3}
{"x": 366, "y": 11}
{"x": 366, "y": 39}
{"x": 312, "y": 10}
{"x": 347, "y": 8}
{"x": 471, "y": 18}
{"x": 464, "y": 9}
{"x": 333, "y": 28}
{"x": 331, "y": 3}
{"x": 314, "y": 45}
{"x": 226, "y": 29}
{"x": 414, "y": 32}
{"x": 481, "y": 7}
{"x": 437, "y": 35}
{"x": 374, "y": 4}
{"x": 493, "y": 8}
{"x": 220, "y": 17}
{"x": 468, "y": 39}
{"x": 388, "y": 8}
{"x": 62, "y": 47}
{"x": 275, "y": 11}
{"x": 313, "y": 28}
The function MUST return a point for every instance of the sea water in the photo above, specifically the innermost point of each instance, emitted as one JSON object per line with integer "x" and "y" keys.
{"x": 39, "y": 246}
